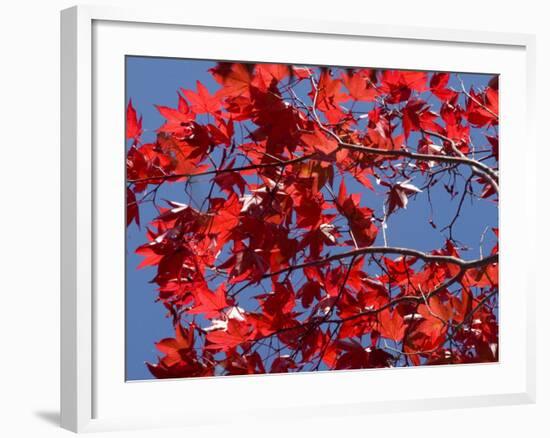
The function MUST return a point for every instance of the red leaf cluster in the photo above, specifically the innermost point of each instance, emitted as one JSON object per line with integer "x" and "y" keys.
{"x": 283, "y": 265}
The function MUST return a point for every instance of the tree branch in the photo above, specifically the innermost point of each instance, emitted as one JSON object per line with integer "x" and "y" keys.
{"x": 483, "y": 170}
{"x": 417, "y": 156}
{"x": 434, "y": 258}
{"x": 479, "y": 168}
{"x": 227, "y": 170}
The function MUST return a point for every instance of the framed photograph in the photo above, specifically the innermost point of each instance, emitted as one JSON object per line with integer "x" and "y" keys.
{"x": 306, "y": 218}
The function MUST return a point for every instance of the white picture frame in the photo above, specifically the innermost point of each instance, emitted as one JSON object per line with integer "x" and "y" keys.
{"x": 92, "y": 394}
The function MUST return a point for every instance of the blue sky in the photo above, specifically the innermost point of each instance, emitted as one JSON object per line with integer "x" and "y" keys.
{"x": 151, "y": 81}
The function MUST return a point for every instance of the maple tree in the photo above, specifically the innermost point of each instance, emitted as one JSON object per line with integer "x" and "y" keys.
{"x": 285, "y": 264}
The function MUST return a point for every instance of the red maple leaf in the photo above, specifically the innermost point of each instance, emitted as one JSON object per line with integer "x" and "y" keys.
{"x": 319, "y": 141}
{"x": 235, "y": 78}
{"x": 400, "y": 84}
{"x": 233, "y": 335}
{"x": 360, "y": 219}
{"x": 359, "y": 86}
{"x": 398, "y": 195}
{"x": 175, "y": 348}
{"x": 132, "y": 212}
{"x": 202, "y": 101}
{"x": 208, "y": 303}
{"x": 178, "y": 121}
{"x": 133, "y": 125}
{"x": 391, "y": 325}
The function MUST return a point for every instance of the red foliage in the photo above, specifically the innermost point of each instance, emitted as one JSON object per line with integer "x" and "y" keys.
{"x": 284, "y": 266}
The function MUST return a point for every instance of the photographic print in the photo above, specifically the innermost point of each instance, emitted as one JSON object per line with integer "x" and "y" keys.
{"x": 298, "y": 218}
